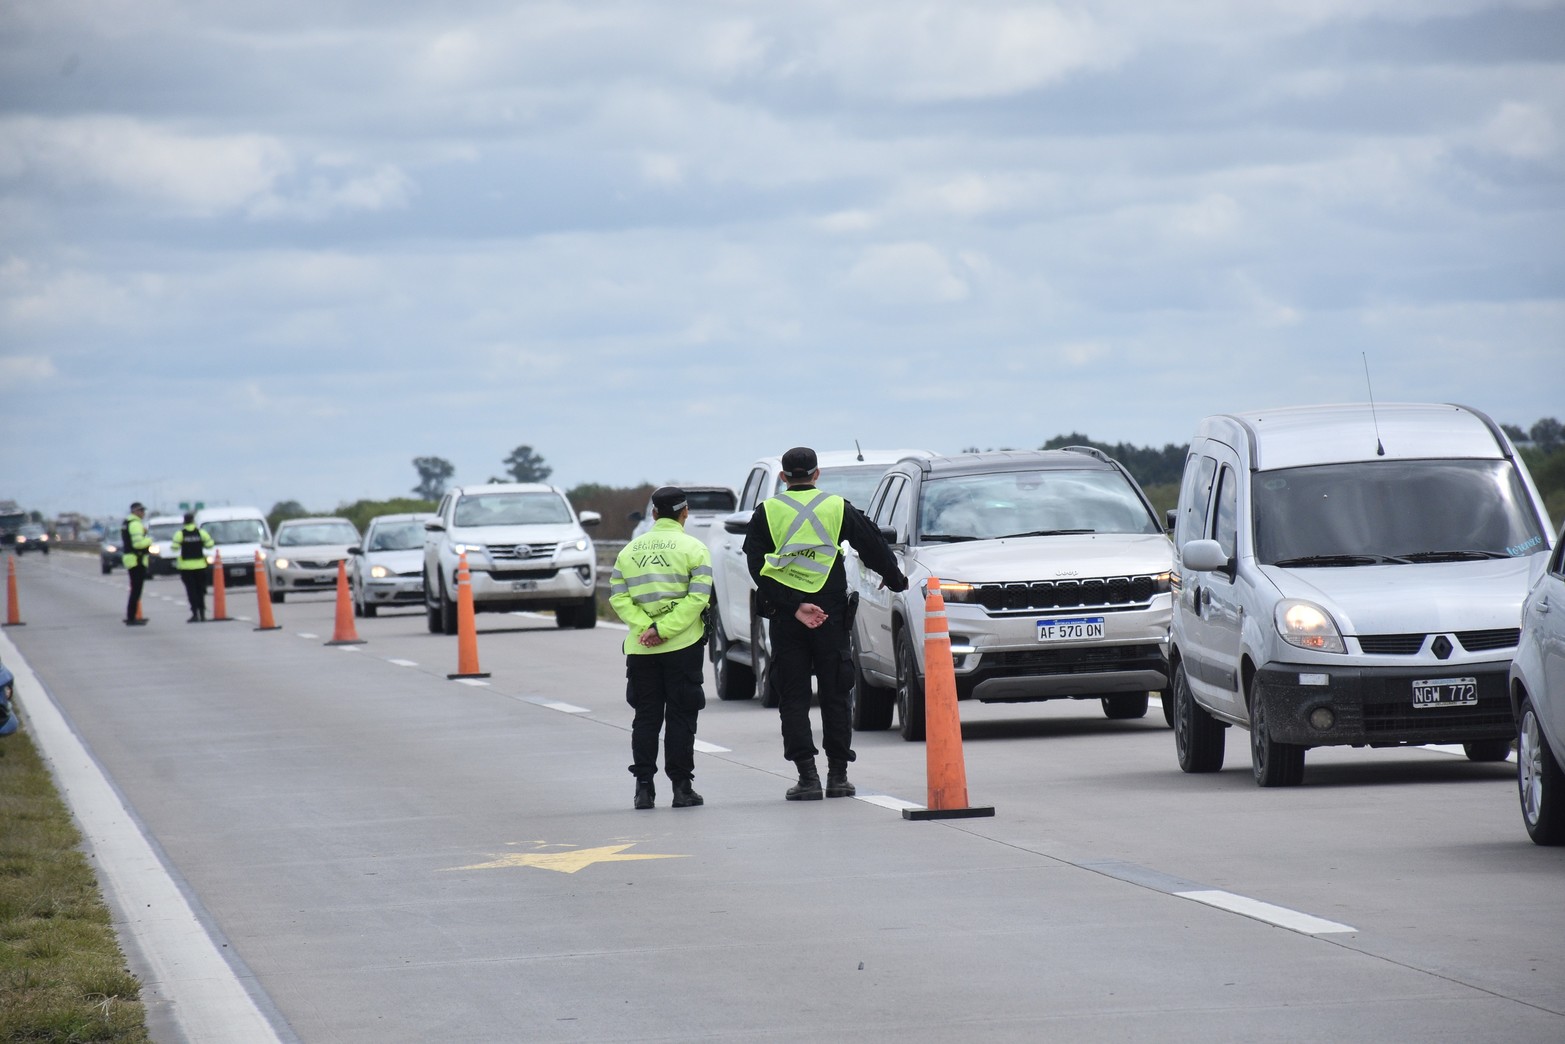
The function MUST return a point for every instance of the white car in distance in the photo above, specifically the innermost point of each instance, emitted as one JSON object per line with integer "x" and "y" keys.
{"x": 305, "y": 554}
{"x": 387, "y": 569}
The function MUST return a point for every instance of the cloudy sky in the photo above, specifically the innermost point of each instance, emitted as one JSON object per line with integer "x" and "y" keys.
{"x": 262, "y": 251}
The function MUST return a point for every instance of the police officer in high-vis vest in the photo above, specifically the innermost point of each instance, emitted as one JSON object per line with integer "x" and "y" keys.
{"x": 135, "y": 544}
{"x": 793, "y": 546}
{"x": 191, "y": 542}
{"x": 662, "y": 582}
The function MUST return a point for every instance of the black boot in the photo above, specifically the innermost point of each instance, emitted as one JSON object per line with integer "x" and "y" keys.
{"x": 837, "y": 784}
{"x": 809, "y": 786}
{"x": 645, "y": 792}
{"x": 685, "y": 796}
{"x": 201, "y": 613}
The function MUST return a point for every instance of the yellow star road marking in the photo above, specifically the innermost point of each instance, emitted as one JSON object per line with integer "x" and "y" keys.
{"x": 566, "y": 862}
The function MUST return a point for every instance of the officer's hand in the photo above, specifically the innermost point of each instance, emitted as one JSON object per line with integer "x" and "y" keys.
{"x": 810, "y": 615}
{"x": 897, "y": 583}
{"x": 650, "y": 637}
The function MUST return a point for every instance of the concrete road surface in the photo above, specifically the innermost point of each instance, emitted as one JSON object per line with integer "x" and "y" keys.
{"x": 381, "y": 854}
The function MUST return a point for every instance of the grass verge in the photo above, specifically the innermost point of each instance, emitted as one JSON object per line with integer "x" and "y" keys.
{"x": 62, "y": 974}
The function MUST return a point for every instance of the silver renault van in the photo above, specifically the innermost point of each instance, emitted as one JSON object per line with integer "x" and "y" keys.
{"x": 1349, "y": 575}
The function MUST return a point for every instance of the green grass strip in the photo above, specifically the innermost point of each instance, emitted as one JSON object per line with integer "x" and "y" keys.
{"x": 62, "y": 974}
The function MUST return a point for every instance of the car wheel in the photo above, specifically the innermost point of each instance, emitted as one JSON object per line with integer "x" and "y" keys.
{"x": 447, "y": 610}
{"x": 1487, "y": 750}
{"x": 358, "y": 606}
{"x": 431, "y": 608}
{"x": 1540, "y": 779}
{"x": 735, "y": 681}
{"x": 1166, "y": 698}
{"x": 587, "y": 614}
{"x": 107, "y": 569}
{"x": 1274, "y": 764}
{"x": 1198, "y": 737}
{"x": 910, "y": 692}
{"x": 277, "y": 596}
{"x": 1125, "y": 705}
{"x": 761, "y": 659}
{"x": 873, "y": 705}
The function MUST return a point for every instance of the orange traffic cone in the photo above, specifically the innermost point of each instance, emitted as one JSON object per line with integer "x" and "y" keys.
{"x": 344, "y": 633}
{"x": 942, "y": 725}
{"x": 263, "y": 596}
{"x": 466, "y": 629}
{"x": 219, "y": 591}
{"x": 13, "y": 605}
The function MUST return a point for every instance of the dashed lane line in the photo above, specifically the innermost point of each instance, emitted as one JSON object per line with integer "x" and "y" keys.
{"x": 1271, "y": 914}
{"x": 404, "y": 663}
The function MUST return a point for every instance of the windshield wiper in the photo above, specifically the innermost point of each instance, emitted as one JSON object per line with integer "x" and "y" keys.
{"x": 1339, "y": 560}
{"x": 1048, "y": 532}
{"x": 944, "y": 538}
{"x": 1465, "y": 555}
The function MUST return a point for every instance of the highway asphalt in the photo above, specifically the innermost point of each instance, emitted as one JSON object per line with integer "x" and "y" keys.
{"x": 372, "y": 852}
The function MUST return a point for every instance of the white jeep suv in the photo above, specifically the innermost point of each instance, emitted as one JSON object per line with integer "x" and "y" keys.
{"x": 526, "y": 549}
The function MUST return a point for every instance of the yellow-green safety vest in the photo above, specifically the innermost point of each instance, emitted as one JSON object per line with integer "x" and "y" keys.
{"x": 806, "y": 526}
{"x": 662, "y": 577}
{"x": 134, "y": 542}
{"x": 191, "y": 543}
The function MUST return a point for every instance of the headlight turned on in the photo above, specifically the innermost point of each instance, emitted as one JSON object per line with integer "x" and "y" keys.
{"x": 1308, "y": 626}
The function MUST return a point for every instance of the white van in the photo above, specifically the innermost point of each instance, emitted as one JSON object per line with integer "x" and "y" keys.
{"x": 1349, "y": 575}
{"x": 238, "y": 532}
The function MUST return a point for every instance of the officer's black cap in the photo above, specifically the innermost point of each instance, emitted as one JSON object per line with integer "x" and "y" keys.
{"x": 137, "y": 505}
{"x": 799, "y": 462}
{"x": 668, "y": 501}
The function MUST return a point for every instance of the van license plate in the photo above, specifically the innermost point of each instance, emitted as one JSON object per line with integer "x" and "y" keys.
{"x": 524, "y": 585}
{"x": 1445, "y": 692}
{"x": 1070, "y": 630}
{"x": 237, "y": 570}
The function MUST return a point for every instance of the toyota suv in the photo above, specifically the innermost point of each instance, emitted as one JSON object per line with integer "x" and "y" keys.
{"x": 1349, "y": 575}
{"x": 740, "y": 641}
{"x": 526, "y": 549}
{"x": 1055, "y": 574}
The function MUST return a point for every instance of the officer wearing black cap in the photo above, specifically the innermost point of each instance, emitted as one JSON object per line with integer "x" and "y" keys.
{"x": 135, "y": 544}
{"x": 793, "y": 546}
{"x": 661, "y": 584}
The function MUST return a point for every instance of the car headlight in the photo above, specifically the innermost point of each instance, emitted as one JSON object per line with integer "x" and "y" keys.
{"x": 1308, "y": 626}
{"x": 379, "y": 572}
{"x": 582, "y": 544}
{"x": 282, "y": 563}
{"x": 470, "y": 549}
{"x": 956, "y": 591}
{"x": 155, "y": 549}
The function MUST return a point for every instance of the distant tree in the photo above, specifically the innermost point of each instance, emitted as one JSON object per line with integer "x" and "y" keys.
{"x": 524, "y": 465}
{"x": 615, "y": 504}
{"x": 1515, "y": 432}
{"x": 433, "y": 474}
{"x": 361, "y": 511}
{"x": 1150, "y": 466}
{"x": 284, "y": 510}
{"x": 1548, "y": 434}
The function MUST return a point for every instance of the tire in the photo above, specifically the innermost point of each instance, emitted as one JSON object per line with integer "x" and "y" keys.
{"x": 358, "y": 606}
{"x": 1125, "y": 705}
{"x": 761, "y": 659}
{"x": 910, "y": 692}
{"x": 735, "y": 681}
{"x": 1274, "y": 764}
{"x": 368, "y": 610}
{"x": 107, "y": 569}
{"x": 277, "y": 596}
{"x": 874, "y": 706}
{"x": 1198, "y": 737}
{"x": 1487, "y": 750}
{"x": 447, "y": 610}
{"x": 1540, "y": 781}
{"x": 1166, "y": 698}
{"x": 587, "y": 614}
{"x": 431, "y": 609}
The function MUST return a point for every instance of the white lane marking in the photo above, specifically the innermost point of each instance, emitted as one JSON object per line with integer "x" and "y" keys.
{"x": 307, "y": 634}
{"x": 1278, "y": 915}
{"x": 244, "y": 619}
{"x": 476, "y": 682}
{"x": 349, "y": 648}
{"x": 568, "y": 708}
{"x": 184, "y": 965}
{"x": 711, "y": 748}
{"x": 887, "y": 801}
{"x": 403, "y": 663}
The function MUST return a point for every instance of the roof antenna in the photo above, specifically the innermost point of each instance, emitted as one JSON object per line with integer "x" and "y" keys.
{"x": 1380, "y": 447}
{"x": 860, "y": 451}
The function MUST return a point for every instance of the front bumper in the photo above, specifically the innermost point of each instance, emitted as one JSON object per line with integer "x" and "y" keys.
{"x": 297, "y": 578}
{"x": 395, "y": 590}
{"x": 1373, "y": 706}
{"x": 531, "y": 587}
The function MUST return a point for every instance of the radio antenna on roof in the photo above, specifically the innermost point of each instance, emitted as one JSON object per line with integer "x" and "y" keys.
{"x": 859, "y": 450}
{"x": 1380, "y": 447}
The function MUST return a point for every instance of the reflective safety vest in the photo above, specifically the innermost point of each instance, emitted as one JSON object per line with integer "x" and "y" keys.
{"x": 193, "y": 542}
{"x": 134, "y": 542}
{"x": 806, "y": 526}
{"x": 662, "y": 577}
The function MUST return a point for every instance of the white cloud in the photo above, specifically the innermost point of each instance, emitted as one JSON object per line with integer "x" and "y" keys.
{"x": 906, "y": 273}
{"x": 1521, "y": 131}
{"x": 16, "y": 370}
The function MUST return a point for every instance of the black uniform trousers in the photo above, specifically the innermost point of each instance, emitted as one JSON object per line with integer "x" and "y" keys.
{"x": 799, "y": 652}
{"x": 138, "y": 577}
{"x": 195, "y": 590}
{"x": 665, "y": 686}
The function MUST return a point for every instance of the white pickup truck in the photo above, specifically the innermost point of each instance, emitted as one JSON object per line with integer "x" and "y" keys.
{"x": 740, "y": 645}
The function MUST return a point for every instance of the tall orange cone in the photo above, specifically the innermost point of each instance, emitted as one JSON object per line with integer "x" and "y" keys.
{"x": 344, "y": 633}
{"x": 263, "y": 596}
{"x": 466, "y": 628}
{"x": 942, "y": 725}
{"x": 13, "y": 605}
{"x": 219, "y": 590}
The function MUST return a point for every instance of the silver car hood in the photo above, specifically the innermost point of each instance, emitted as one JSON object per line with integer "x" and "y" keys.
{"x": 541, "y": 533}
{"x": 410, "y": 560}
{"x": 1031, "y": 559}
{"x": 1423, "y": 598}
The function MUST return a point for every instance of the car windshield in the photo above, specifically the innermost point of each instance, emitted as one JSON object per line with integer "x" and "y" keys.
{"x": 163, "y": 530}
{"x": 1410, "y": 510}
{"x": 397, "y": 536}
{"x": 1043, "y": 502}
{"x": 313, "y": 533}
{"x": 710, "y": 501}
{"x": 236, "y": 531}
{"x": 853, "y": 483}
{"x": 511, "y": 509}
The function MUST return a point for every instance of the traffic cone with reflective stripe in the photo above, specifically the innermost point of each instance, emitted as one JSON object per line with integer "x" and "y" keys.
{"x": 219, "y": 590}
{"x": 466, "y": 628}
{"x": 344, "y": 633}
{"x": 263, "y": 596}
{"x": 947, "y": 770}
{"x": 13, "y": 605}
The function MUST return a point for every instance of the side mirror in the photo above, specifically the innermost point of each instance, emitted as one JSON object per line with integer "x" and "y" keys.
{"x": 635, "y": 516}
{"x": 435, "y": 527}
{"x": 1205, "y": 556}
{"x": 1170, "y": 519}
{"x": 355, "y": 550}
{"x": 590, "y": 518}
{"x": 738, "y": 522}
{"x": 891, "y": 535}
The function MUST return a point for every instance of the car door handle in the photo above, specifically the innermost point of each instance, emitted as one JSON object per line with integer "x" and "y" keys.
{"x": 1543, "y": 605}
